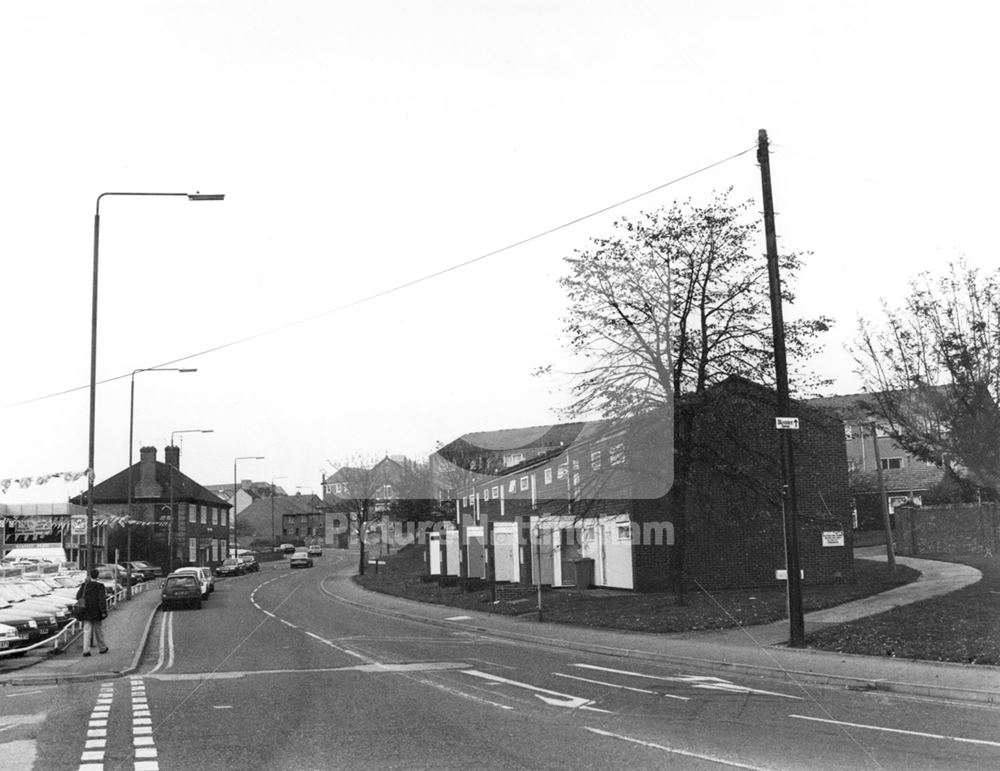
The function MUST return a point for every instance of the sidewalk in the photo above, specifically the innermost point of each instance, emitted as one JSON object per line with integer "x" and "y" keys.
{"x": 125, "y": 631}
{"x": 756, "y": 651}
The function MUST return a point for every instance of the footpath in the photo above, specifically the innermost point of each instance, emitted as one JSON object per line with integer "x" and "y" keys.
{"x": 759, "y": 651}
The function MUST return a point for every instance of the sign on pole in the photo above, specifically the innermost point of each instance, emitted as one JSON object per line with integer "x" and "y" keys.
{"x": 786, "y": 423}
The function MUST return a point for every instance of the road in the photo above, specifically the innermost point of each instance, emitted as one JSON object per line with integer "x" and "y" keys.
{"x": 277, "y": 672}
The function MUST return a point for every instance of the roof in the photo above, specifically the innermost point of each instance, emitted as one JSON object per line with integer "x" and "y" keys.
{"x": 114, "y": 489}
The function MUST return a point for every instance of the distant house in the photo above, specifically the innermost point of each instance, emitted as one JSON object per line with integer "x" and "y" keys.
{"x": 176, "y": 520}
{"x": 247, "y": 491}
{"x": 596, "y": 498}
{"x": 353, "y": 491}
{"x": 280, "y": 518}
{"x": 905, "y": 478}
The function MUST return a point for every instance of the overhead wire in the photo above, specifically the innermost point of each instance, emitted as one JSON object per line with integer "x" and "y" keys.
{"x": 400, "y": 287}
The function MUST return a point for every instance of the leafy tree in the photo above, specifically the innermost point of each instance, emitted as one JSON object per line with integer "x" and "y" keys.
{"x": 933, "y": 367}
{"x": 667, "y": 306}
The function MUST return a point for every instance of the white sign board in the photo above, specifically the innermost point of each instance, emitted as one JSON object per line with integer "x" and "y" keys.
{"x": 786, "y": 423}
{"x": 782, "y": 575}
{"x": 833, "y": 538}
{"x": 78, "y": 525}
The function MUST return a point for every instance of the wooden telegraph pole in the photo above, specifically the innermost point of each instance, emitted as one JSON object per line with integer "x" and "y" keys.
{"x": 789, "y": 505}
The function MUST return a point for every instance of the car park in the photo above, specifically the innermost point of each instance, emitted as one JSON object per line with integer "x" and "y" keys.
{"x": 300, "y": 559}
{"x": 22, "y": 597}
{"x": 39, "y": 624}
{"x": 231, "y": 566}
{"x": 184, "y": 589}
{"x": 204, "y": 576}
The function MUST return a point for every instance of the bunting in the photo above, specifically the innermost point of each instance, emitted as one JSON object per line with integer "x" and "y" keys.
{"x": 26, "y": 482}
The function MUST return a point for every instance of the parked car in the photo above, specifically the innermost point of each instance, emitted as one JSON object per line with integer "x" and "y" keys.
{"x": 300, "y": 559}
{"x": 204, "y": 576}
{"x": 144, "y": 569}
{"x": 26, "y": 624}
{"x": 26, "y": 597}
{"x": 184, "y": 589}
{"x": 9, "y": 637}
{"x": 315, "y": 550}
{"x": 231, "y": 566}
{"x": 287, "y": 548}
{"x": 116, "y": 571}
{"x": 250, "y": 563}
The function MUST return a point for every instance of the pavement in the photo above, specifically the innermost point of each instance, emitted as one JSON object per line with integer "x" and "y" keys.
{"x": 759, "y": 651}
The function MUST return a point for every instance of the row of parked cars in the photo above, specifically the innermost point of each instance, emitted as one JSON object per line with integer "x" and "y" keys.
{"x": 191, "y": 586}
{"x": 34, "y": 606}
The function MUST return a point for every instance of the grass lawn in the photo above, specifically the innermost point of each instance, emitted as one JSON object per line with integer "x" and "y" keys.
{"x": 653, "y": 612}
{"x": 962, "y": 626}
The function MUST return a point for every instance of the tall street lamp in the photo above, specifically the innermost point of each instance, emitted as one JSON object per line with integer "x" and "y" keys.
{"x": 170, "y": 481}
{"x": 272, "y": 507}
{"x": 93, "y": 356}
{"x": 235, "y": 462}
{"x": 128, "y": 509}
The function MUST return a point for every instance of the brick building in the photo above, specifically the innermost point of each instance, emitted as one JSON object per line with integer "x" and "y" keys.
{"x": 603, "y": 498}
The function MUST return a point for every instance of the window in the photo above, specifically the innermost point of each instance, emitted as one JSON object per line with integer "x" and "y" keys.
{"x": 486, "y": 493}
{"x": 496, "y": 491}
{"x": 192, "y": 514}
{"x": 524, "y": 483}
{"x": 595, "y": 460}
{"x": 562, "y": 472}
{"x": 192, "y": 549}
{"x": 616, "y": 456}
{"x": 512, "y": 487}
{"x": 203, "y": 514}
{"x": 889, "y": 463}
{"x": 215, "y": 516}
{"x": 625, "y": 532}
{"x": 548, "y": 476}
{"x": 848, "y": 432}
{"x": 852, "y": 466}
{"x": 513, "y": 459}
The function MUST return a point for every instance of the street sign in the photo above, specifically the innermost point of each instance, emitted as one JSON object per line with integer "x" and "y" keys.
{"x": 376, "y": 562}
{"x": 786, "y": 423}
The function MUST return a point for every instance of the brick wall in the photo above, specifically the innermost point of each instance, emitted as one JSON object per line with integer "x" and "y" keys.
{"x": 955, "y": 528}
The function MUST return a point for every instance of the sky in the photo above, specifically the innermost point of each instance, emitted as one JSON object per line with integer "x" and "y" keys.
{"x": 365, "y": 147}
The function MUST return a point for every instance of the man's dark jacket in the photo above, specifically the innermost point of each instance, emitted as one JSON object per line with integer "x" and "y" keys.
{"x": 95, "y": 597}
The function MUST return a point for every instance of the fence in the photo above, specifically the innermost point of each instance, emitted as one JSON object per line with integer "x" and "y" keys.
{"x": 955, "y": 528}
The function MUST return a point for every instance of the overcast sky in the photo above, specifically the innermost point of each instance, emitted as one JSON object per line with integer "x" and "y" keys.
{"x": 364, "y": 145}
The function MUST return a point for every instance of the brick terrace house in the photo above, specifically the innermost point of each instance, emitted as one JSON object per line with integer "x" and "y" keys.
{"x": 594, "y": 500}
{"x": 178, "y": 521}
{"x": 904, "y": 477}
{"x": 351, "y": 487}
{"x": 281, "y": 518}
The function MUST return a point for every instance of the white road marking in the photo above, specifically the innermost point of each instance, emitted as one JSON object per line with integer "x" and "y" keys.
{"x": 673, "y": 750}
{"x": 458, "y": 618}
{"x": 922, "y": 734}
{"x": 695, "y": 681}
{"x": 623, "y": 687}
{"x": 287, "y": 623}
{"x": 560, "y": 700}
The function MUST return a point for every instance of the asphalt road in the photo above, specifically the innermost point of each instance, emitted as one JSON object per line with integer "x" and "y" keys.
{"x": 276, "y": 672}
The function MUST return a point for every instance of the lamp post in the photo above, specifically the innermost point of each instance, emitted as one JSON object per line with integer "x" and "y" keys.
{"x": 93, "y": 356}
{"x": 128, "y": 508}
{"x": 170, "y": 522}
{"x": 272, "y": 508}
{"x": 235, "y": 462}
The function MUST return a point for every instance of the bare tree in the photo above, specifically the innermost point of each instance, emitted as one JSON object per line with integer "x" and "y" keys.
{"x": 933, "y": 367}
{"x": 360, "y": 484}
{"x": 669, "y": 305}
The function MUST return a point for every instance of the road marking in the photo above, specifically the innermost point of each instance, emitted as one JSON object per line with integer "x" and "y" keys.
{"x": 695, "y": 681}
{"x": 142, "y": 727}
{"x": 623, "y": 687}
{"x": 560, "y": 700}
{"x": 287, "y": 623}
{"x": 458, "y": 618}
{"x": 923, "y": 734}
{"x": 673, "y": 750}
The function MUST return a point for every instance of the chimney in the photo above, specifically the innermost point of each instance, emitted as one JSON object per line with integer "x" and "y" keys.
{"x": 172, "y": 456}
{"x": 147, "y": 487}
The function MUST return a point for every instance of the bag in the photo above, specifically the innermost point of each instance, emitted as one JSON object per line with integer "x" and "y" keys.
{"x": 79, "y": 609}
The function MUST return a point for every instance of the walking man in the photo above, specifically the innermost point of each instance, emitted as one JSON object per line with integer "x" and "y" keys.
{"x": 95, "y": 599}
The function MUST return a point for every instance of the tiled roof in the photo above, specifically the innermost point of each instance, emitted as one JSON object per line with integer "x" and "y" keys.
{"x": 114, "y": 489}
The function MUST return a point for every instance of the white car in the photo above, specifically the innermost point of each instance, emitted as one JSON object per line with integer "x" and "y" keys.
{"x": 204, "y": 576}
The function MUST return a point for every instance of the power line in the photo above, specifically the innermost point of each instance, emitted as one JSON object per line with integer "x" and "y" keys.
{"x": 400, "y": 287}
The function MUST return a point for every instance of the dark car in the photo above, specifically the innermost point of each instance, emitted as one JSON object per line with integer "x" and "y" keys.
{"x": 181, "y": 590}
{"x": 250, "y": 563}
{"x": 146, "y": 571}
{"x": 231, "y": 566}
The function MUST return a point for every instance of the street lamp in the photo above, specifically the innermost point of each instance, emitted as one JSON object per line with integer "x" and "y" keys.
{"x": 128, "y": 509}
{"x": 170, "y": 480}
{"x": 272, "y": 507}
{"x": 93, "y": 355}
{"x": 235, "y": 461}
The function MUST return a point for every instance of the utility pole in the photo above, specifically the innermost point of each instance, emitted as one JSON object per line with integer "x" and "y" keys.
{"x": 886, "y": 523}
{"x": 789, "y": 504}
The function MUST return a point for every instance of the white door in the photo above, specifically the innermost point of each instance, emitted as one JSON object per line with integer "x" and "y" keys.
{"x": 616, "y": 552}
